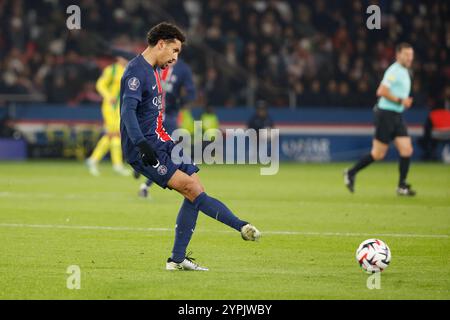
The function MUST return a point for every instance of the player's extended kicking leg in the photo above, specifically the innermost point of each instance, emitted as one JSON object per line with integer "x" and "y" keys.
{"x": 405, "y": 149}
{"x": 197, "y": 200}
{"x": 378, "y": 152}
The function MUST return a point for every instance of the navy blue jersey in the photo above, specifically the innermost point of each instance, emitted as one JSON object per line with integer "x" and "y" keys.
{"x": 174, "y": 78}
{"x": 141, "y": 82}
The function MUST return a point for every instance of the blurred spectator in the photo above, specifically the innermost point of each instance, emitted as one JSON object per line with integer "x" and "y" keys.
{"x": 345, "y": 98}
{"x": 214, "y": 88}
{"x": 314, "y": 95}
{"x": 7, "y": 130}
{"x": 271, "y": 48}
{"x": 88, "y": 94}
{"x": 261, "y": 118}
{"x": 332, "y": 93}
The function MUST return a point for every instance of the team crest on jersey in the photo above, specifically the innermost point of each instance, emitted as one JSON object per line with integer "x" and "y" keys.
{"x": 162, "y": 170}
{"x": 134, "y": 83}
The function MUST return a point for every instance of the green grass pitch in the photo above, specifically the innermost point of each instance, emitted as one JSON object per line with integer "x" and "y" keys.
{"x": 53, "y": 215}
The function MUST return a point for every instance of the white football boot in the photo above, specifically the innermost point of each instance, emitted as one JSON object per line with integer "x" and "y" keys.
{"x": 405, "y": 190}
{"x": 250, "y": 233}
{"x": 187, "y": 264}
{"x": 93, "y": 168}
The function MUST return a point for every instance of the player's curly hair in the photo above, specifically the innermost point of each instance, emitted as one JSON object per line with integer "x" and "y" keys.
{"x": 165, "y": 31}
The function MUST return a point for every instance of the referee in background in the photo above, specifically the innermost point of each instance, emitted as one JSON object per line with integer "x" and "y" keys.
{"x": 394, "y": 98}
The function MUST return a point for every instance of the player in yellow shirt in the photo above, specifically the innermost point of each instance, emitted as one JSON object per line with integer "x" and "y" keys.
{"x": 108, "y": 85}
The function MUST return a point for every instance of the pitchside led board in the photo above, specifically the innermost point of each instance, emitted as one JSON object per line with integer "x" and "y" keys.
{"x": 327, "y": 134}
{"x": 305, "y": 135}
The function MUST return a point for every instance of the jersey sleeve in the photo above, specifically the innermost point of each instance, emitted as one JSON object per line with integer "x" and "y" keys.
{"x": 133, "y": 83}
{"x": 389, "y": 78}
{"x": 128, "y": 116}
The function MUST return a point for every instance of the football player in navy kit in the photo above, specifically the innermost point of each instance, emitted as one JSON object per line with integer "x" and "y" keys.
{"x": 147, "y": 146}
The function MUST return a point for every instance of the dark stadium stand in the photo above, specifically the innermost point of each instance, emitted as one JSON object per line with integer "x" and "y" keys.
{"x": 290, "y": 53}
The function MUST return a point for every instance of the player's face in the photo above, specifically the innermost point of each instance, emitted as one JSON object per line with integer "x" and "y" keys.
{"x": 406, "y": 57}
{"x": 169, "y": 53}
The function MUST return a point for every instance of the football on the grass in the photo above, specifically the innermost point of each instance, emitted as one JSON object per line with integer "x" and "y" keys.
{"x": 373, "y": 255}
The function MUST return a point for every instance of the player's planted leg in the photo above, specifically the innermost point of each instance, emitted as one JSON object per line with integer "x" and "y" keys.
{"x": 186, "y": 220}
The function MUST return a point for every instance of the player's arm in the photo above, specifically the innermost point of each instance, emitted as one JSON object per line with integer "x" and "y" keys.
{"x": 132, "y": 95}
{"x": 384, "y": 91}
{"x": 129, "y": 118}
{"x": 103, "y": 83}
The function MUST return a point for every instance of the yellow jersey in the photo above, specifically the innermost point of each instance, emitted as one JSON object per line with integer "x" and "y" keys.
{"x": 108, "y": 85}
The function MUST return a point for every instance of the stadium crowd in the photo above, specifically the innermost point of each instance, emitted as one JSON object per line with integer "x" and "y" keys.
{"x": 288, "y": 52}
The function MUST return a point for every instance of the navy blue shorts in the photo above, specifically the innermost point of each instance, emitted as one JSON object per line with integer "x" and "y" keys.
{"x": 162, "y": 172}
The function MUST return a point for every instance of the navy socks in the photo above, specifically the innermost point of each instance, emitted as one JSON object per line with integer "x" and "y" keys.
{"x": 217, "y": 210}
{"x": 187, "y": 218}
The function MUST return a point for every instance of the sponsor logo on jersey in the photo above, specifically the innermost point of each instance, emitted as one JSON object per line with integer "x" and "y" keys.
{"x": 157, "y": 101}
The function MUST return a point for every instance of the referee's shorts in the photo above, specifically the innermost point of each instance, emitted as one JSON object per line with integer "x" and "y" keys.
{"x": 388, "y": 125}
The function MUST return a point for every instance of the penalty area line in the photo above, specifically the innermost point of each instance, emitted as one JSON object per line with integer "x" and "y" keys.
{"x": 300, "y": 233}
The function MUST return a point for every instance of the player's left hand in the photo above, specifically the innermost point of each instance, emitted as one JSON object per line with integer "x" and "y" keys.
{"x": 147, "y": 154}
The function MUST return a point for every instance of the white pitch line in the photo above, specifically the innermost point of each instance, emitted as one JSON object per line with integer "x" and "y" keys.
{"x": 353, "y": 234}
{"x": 301, "y": 233}
{"x": 57, "y": 226}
